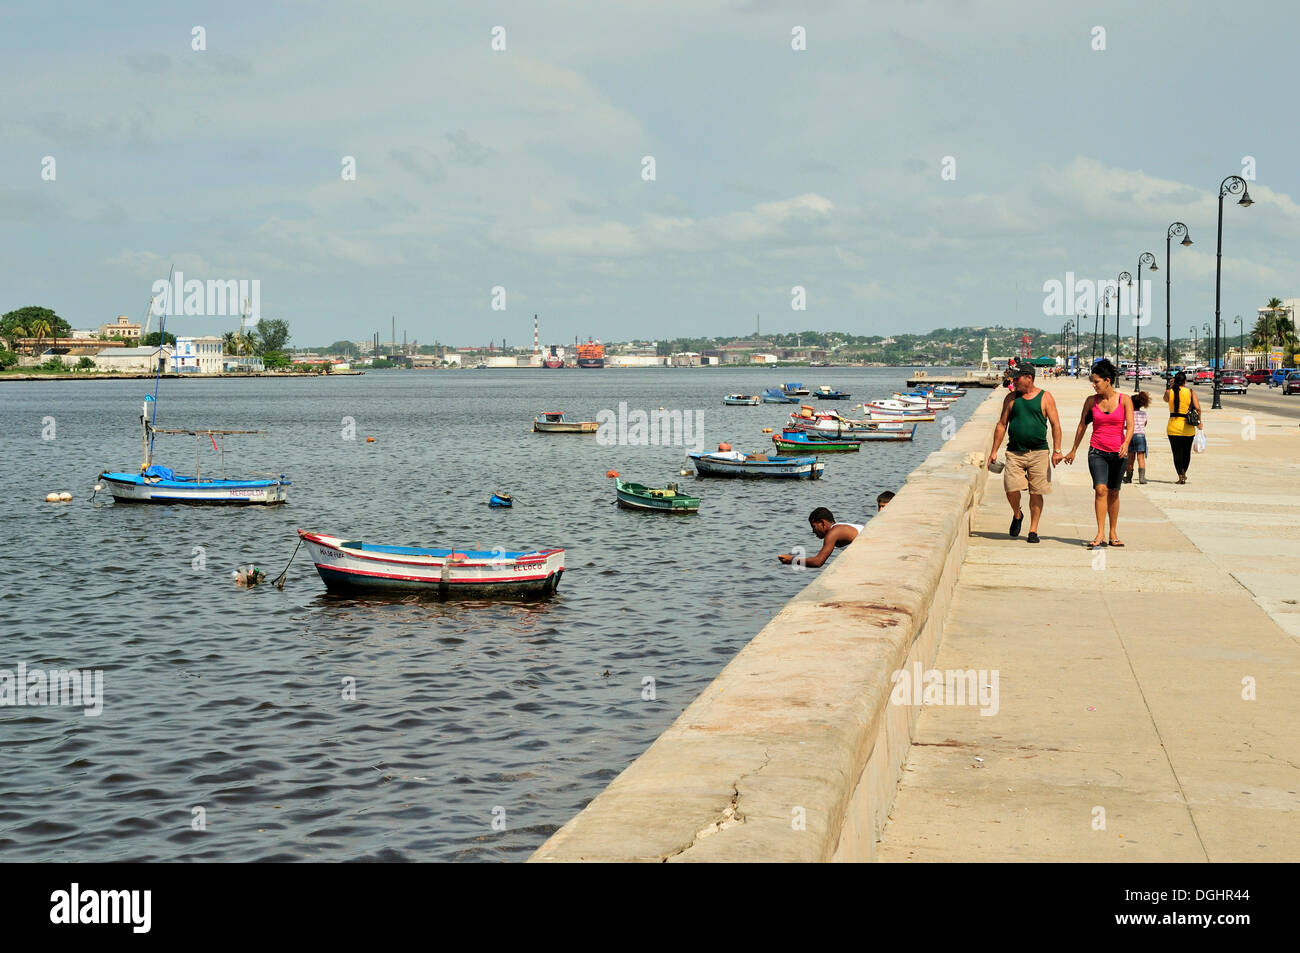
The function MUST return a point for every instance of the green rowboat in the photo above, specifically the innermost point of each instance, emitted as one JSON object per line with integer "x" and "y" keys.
{"x": 634, "y": 496}
{"x": 784, "y": 445}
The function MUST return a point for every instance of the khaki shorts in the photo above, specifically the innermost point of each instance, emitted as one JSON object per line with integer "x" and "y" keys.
{"x": 1030, "y": 471}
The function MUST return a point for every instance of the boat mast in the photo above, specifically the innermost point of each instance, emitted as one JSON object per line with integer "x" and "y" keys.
{"x": 149, "y": 426}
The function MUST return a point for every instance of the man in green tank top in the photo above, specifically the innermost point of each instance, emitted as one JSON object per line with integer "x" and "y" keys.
{"x": 1026, "y": 412}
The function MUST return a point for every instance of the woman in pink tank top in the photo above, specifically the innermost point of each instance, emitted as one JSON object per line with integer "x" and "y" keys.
{"x": 1111, "y": 415}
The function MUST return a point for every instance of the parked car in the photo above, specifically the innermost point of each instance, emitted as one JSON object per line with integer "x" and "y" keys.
{"x": 1232, "y": 382}
{"x": 1259, "y": 376}
{"x": 1292, "y": 383}
{"x": 1204, "y": 375}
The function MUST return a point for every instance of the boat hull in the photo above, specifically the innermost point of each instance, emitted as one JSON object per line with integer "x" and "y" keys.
{"x": 787, "y": 468}
{"x": 345, "y": 566}
{"x": 815, "y": 438}
{"x": 740, "y": 401}
{"x": 805, "y": 446}
{"x": 133, "y": 488}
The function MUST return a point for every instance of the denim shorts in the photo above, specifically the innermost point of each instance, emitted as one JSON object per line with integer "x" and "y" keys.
{"x": 1138, "y": 444}
{"x": 1107, "y": 467}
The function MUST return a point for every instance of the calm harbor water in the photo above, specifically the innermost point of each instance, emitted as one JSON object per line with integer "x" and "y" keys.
{"x": 228, "y": 705}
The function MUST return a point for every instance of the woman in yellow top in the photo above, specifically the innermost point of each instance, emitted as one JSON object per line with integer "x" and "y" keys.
{"x": 1181, "y": 401}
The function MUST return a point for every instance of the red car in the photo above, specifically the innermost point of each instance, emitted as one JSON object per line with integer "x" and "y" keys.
{"x": 1257, "y": 377}
{"x": 1204, "y": 375}
{"x": 1291, "y": 383}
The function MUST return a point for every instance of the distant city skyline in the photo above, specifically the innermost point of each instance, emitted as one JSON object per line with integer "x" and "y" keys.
{"x": 640, "y": 171}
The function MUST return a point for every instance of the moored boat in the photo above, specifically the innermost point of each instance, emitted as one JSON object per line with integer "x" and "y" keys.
{"x": 799, "y": 441}
{"x": 636, "y": 496}
{"x": 157, "y": 484}
{"x": 897, "y": 408}
{"x": 741, "y": 400}
{"x": 895, "y": 432}
{"x": 552, "y": 421}
{"x": 351, "y": 565}
{"x": 794, "y": 389}
{"x": 827, "y": 393}
{"x": 501, "y": 499}
{"x": 774, "y": 395}
{"x": 733, "y": 463}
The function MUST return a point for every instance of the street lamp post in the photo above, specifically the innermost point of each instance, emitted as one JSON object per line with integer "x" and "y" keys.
{"x": 1196, "y": 351}
{"x": 1078, "y": 325}
{"x": 1229, "y": 186}
{"x": 1205, "y": 335}
{"x": 1176, "y": 229}
{"x": 1096, "y": 316}
{"x": 1146, "y": 258}
{"x": 1123, "y": 277}
{"x": 1241, "y": 341}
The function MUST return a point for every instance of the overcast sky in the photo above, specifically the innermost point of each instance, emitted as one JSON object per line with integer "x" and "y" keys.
{"x": 523, "y": 168}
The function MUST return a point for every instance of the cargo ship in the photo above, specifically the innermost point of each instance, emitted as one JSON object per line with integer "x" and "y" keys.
{"x": 591, "y": 354}
{"x": 555, "y": 358}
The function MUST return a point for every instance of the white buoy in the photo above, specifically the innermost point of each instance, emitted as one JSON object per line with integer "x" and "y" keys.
{"x": 65, "y": 497}
{"x": 98, "y": 487}
{"x": 51, "y": 497}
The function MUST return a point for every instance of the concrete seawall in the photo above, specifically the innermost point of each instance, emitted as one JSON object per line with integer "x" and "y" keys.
{"x": 794, "y": 752}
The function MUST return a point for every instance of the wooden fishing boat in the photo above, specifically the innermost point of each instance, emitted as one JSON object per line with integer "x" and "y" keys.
{"x": 827, "y": 393}
{"x": 552, "y": 421}
{"x": 798, "y": 441}
{"x": 794, "y": 389}
{"x": 352, "y": 565}
{"x": 897, "y": 408}
{"x": 832, "y": 427}
{"x": 635, "y": 496}
{"x": 741, "y": 400}
{"x": 924, "y": 400}
{"x": 732, "y": 463}
{"x": 817, "y": 437}
{"x": 159, "y": 484}
{"x": 774, "y": 395}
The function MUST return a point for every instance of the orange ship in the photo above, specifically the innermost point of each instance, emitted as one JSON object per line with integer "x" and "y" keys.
{"x": 591, "y": 354}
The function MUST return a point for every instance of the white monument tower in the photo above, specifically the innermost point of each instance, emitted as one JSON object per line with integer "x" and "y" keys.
{"x": 986, "y": 369}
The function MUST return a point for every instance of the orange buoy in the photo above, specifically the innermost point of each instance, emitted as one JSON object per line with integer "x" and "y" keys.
{"x": 767, "y": 430}
{"x": 724, "y": 447}
{"x": 611, "y": 473}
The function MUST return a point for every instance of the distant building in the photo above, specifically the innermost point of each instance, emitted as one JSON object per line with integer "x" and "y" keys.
{"x": 242, "y": 364}
{"x": 134, "y": 360}
{"x": 197, "y": 355}
{"x": 124, "y": 328}
{"x": 763, "y": 359}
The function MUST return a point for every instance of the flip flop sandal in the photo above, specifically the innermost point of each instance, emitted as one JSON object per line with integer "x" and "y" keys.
{"x": 1116, "y": 542}
{"x": 1091, "y": 544}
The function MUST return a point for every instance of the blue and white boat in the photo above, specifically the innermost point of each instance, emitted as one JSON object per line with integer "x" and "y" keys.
{"x": 352, "y": 565}
{"x": 733, "y": 463}
{"x": 741, "y": 400}
{"x": 161, "y": 485}
{"x": 774, "y": 395}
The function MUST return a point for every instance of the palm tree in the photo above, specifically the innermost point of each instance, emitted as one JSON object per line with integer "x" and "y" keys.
{"x": 228, "y": 342}
{"x": 38, "y": 329}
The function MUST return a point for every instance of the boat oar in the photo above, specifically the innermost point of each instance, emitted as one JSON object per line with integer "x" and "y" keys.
{"x": 279, "y": 582}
